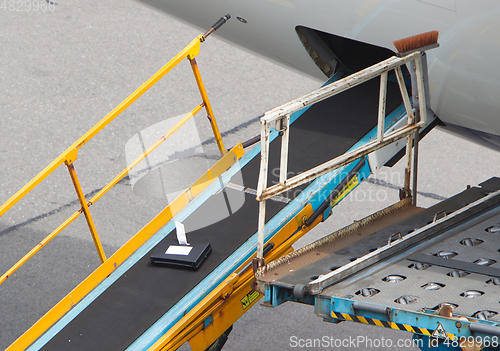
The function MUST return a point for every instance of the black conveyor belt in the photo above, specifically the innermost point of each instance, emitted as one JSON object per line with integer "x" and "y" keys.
{"x": 145, "y": 292}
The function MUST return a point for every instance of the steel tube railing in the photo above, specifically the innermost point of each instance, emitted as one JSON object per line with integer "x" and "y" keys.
{"x": 191, "y": 50}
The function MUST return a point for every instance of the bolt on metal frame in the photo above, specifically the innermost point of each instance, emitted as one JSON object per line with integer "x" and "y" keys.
{"x": 69, "y": 156}
{"x": 281, "y": 117}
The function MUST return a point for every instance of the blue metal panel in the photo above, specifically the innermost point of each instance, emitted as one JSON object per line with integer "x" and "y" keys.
{"x": 322, "y": 308}
{"x": 268, "y": 299}
{"x": 423, "y": 325}
{"x": 404, "y": 318}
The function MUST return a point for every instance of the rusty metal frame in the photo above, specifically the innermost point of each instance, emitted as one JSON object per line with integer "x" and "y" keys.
{"x": 281, "y": 116}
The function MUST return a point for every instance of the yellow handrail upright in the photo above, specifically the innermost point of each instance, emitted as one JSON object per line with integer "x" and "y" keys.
{"x": 208, "y": 107}
{"x": 86, "y": 212}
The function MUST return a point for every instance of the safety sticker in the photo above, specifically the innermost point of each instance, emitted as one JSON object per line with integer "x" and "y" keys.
{"x": 440, "y": 332}
{"x": 249, "y": 298}
{"x": 351, "y": 184}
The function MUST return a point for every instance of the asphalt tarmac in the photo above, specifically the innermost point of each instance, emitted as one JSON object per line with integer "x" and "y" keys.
{"x": 64, "y": 66}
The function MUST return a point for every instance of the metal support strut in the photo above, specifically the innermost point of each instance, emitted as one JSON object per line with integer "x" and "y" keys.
{"x": 86, "y": 211}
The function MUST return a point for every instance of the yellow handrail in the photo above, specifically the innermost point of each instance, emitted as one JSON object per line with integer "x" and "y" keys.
{"x": 70, "y": 155}
{"x": 99, "y": 195}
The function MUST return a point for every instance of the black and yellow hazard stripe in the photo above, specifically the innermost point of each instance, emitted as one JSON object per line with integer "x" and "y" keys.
{"x": 386, "y": 324}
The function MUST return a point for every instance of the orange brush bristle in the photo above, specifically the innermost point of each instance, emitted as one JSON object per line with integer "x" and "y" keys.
{"x": 416, "y": 42}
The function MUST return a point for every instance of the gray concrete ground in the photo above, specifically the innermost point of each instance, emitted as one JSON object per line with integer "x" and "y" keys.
{"x": 63, "y": 68}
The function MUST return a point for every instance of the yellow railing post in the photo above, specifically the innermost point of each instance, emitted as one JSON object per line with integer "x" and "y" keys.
{"x": 208, "y": 107}
{"x": 191, "y": 50}
{"x": 86, "y": 211}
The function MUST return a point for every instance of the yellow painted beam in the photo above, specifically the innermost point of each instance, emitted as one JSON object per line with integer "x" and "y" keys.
{"x": 208, "y": 106}
{"x": 187, "y": 323}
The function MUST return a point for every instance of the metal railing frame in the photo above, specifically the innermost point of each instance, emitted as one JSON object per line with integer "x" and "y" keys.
{"x": 280, "y": 116}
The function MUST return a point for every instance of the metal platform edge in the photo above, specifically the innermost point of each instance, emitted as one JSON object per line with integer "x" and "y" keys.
{"x": 427, "y": 326}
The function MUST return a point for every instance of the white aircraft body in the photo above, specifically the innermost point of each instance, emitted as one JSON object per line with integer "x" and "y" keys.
{"x": 464, "y": 72}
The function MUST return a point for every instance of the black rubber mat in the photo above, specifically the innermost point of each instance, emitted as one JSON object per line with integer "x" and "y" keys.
{"x": 144, "y": 293}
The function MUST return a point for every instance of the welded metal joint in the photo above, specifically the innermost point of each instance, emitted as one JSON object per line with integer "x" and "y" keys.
{"x": 257, "y": 263}
{"x": 436, "y": 216}
{"x": 404, "y": 193}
